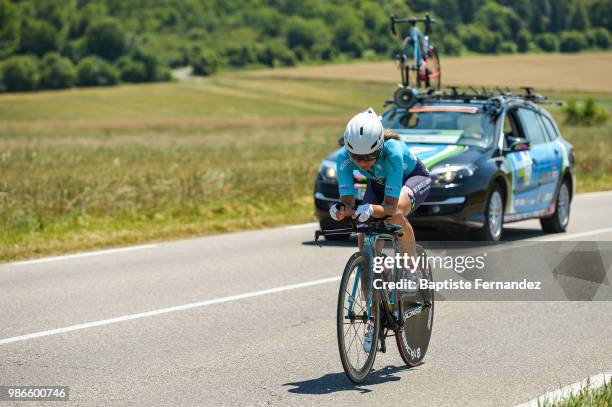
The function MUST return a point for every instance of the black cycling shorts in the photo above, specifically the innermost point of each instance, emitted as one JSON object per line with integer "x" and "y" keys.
{"x": 416, "y": 185}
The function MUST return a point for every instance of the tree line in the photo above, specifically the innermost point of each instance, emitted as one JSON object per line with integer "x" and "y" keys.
{"x": 52, "y": 44}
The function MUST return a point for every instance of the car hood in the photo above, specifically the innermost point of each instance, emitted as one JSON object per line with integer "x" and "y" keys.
{"x": 433, "y": 154}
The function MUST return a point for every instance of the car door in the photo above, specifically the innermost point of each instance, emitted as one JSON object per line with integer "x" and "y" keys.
{"x": 557, "y": 147}
{"x": 545, "y": 170}
{"x": 520, "y": 164}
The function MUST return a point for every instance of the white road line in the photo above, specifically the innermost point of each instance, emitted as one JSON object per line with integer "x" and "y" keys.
{"x": 570, "y": 235}
{"x": 167, "y": 310}
{"x": 78, "y": 255}
{"x": 593, "y": 194}
{"x": 302, "y": 226}
{"x": 593, "y": 382}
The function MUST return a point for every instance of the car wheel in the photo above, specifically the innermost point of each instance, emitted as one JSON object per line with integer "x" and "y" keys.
{"x": 493, "y": 228}
{"x": 558, "y": 222}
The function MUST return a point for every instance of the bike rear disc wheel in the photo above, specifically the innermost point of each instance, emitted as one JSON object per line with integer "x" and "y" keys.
{"x": 404, "y": 70}
{"x": 434, "y": 69}
{"x": 413, "y": 339}
{"x": 352, "y": 323}
{"x": 408, "y": 62}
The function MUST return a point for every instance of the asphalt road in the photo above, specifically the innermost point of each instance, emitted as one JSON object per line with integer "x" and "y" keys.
{"x": 167, "y": 325}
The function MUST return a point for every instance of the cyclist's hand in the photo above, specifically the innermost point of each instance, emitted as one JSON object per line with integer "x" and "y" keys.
{"x": 363, "y": 212}
{"x": 336, "y": 211}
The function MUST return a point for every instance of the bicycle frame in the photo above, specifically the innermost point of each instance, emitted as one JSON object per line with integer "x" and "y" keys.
{"x": 369, "y": 246}
{"x": 416, "y": 35}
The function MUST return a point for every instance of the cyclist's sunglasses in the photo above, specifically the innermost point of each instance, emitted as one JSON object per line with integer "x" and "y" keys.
{"x": 365, "y": 157}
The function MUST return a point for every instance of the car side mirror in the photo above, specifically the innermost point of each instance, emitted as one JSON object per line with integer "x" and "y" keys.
{"x": 341, "y": 141}
{"x": 518, "y": 144}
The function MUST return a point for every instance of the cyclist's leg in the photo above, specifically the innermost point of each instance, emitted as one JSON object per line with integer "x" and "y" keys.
{"x": 374, "y": 195}
{"x": 415, "y": 191}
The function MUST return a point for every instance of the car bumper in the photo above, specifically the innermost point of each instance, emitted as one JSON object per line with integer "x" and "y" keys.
{"x": 458, "y": 210}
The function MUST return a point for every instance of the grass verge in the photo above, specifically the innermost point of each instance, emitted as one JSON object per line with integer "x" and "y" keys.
{"x": 587, "y": 397}
{"x": 92, "y": 168}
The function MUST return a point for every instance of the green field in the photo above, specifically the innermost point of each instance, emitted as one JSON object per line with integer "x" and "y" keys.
{"x": 91, "y": 168}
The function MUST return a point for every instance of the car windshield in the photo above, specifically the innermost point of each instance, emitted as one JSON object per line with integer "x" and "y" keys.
{"x": 462, "y": 125}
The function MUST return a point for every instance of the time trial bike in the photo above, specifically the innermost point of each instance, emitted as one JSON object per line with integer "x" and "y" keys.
{"x": 366, "y": 298}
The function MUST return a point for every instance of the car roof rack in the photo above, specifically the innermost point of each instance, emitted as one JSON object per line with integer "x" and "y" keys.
{"x": 456, "y": 93}
{"x": 484, "y": 94}
{"x": 492, "y": 99}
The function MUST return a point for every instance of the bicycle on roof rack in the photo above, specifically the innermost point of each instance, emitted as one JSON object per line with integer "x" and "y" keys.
{"x": 366, "y": 297}
{"x": 418, "y": 54}
{"x": 405, "y": 98}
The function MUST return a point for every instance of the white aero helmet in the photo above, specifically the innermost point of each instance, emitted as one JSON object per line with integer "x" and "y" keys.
{"x": 364, "y": 133}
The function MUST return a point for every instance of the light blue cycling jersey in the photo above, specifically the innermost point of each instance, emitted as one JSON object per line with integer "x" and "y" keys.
{"x": 393, "y": 164}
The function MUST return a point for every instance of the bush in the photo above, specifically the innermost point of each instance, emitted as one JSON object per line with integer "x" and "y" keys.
{"x": 20, "y": 73}
{"x": 590, "y": 114}
{"x": 547, "y": 42}
{"x": 94, "y": 71}
{"x": 349, "y": 36}
{"x": 75, "y": 50}
{"x": 38, "y": 37}
{"x": 479, "y": 39}
{"x": 303, "y": 33}
{"x": 56, "y": 72}
{"x": 451, "y": 45}
{"x": 106, "y": 38}
{"x": 523, "y": 40}
{"x": 132, "y": 71}
{"x": 150, "y": 62}
{"x": 141, "y": 66}
{"x": 573, "y": 41}
{"x": 507, "y": 47}
{"x": 599, "y": 38}
{"x": 497, "y": 18}
{"x": 9, "y": 28}
{"x": 205, "y": 62}
{"x": 275, "y": 53}
{"x": 242, "y": 53}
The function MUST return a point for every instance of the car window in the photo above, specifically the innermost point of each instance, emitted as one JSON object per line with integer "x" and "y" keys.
{"x": 531, "y": 126}
{"x": 507, "y": 125}
{"x": 446, "y": 127}
{"x": 550, "y": 128}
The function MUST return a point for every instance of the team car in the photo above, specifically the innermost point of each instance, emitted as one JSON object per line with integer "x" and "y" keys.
{"x": 493, "y": 159}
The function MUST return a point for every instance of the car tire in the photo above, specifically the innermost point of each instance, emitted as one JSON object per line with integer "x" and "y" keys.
{"x": 493, "y": 228}
{"x": 557, "y": 223}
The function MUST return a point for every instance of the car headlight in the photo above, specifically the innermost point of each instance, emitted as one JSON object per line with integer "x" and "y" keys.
{"x": 328, "y": 169}
{"x": 448, "y": 174}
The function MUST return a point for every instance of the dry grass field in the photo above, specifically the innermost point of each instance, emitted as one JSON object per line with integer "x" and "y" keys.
{"x": 590, "y": 72}
{"x": 89, "y": 168}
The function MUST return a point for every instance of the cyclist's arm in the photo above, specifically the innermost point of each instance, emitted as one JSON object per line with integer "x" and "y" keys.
{"x": 388, "y": 207}
{"x": 393, "y": 184}
{"x": 346, "y": 189}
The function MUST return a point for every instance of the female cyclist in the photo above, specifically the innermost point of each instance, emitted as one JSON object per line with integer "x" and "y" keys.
{"x": 397, "y": 181}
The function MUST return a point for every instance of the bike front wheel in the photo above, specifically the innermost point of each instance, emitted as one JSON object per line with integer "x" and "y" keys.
{"x": 352, "y": 319}
{"x": 417, "y": 311}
